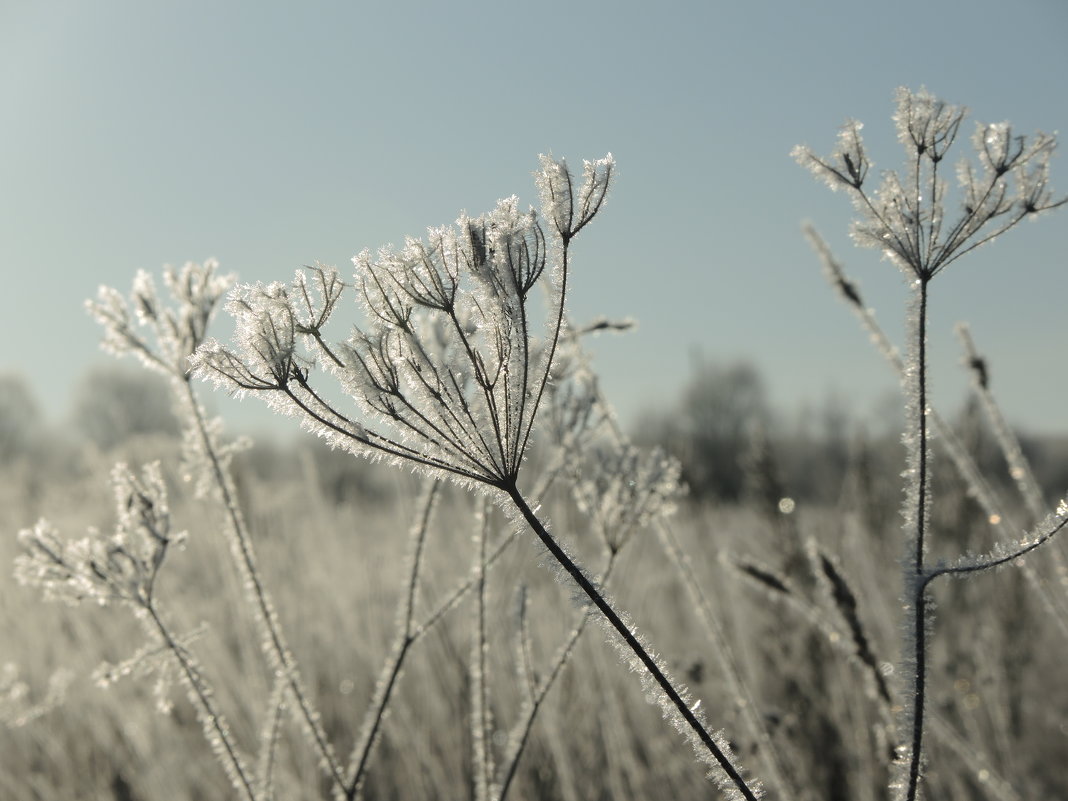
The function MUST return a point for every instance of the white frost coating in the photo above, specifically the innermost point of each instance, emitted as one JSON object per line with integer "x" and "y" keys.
{"x": 906, "y": 217}
{"x": 654, "y": 694}
{"x": 449, "y": 370}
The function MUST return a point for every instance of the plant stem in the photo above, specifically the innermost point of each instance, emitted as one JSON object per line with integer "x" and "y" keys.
{"x": 774, "y": 772}
{"x": 392, "y": 669}
{"x": 211, "y": 718}
{"x": 241, "y": 547}
{"x": 563, "y": 656}
{"x": 631, "y": 640}
{"x": 915, "y": 582}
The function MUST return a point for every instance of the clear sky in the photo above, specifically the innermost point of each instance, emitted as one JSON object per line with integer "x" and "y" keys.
{"x": 272, "y": 135}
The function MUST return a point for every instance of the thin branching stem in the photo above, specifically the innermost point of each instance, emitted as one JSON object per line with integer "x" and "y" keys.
{"x": 210, "y": 715}
{"x": 413, "y": 632}
{"x": 996, "y": 561}
{"x": 376, "y": 441}
{"x": 557, "y": 330}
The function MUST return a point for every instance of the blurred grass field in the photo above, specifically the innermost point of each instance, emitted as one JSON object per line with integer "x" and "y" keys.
{"x": 332, "y": 548}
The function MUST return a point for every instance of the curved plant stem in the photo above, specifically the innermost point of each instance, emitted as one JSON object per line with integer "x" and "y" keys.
{"x": 732, "y": 775}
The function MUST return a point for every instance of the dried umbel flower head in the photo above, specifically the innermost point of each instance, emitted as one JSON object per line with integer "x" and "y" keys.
{"x": 451, "y": 367}
{"x": 163, "y": 336}
{"x": 121, "y": 566}
{"x": 622, "y": 488}
{"x": 906, "y": 217}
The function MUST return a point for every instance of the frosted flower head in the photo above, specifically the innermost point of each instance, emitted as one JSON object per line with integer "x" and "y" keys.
{"x": 103, "y": 568}
{"x": 567, "y": 207}
{"x": 926, "y": 126}
{"x": 162, "y": 334}
{"x": 266, "y": 328}
{"x": 623, "y": 488}
{"x": 908, "y": 216}
{"x": 450, "y": 368}
{"x": 450, "y": 360}
{"x": 574, "y": 409}
{"x": 847, "y": 166}
{"x": 316, "y": 292}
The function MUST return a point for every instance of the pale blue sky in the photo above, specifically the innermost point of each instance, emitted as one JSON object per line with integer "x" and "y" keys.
{"x": 272, "y": 135}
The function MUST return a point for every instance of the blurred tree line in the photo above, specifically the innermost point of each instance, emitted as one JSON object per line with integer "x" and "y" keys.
{"x": 733, "y": 445}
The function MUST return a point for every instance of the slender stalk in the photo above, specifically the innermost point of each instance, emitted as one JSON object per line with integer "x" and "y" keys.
{"x": 481, "y": 735}
{"x": 613, "y": 618}
{"x": 521, "y": 733}
{"x": 269, "y": 739}
{"x": 1020, "y": 471}
{"x": 243, "y": 551}
{"x": 212, "y": 718}
{"x": 721, "y": 646}
{"x": 392, "y": 669}
{"x": 1019, "y": 467}
{"x": 914, "y": 582}
{"x": 413, "y": 632}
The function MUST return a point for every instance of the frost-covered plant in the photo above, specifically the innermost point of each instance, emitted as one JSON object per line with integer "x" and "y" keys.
{"x": 120, "y": 568}
{"x": 908, "y": 219}
{"x": 163, "y": 335}
{"x": 450, "y": 370}
{"x": 452, "y": 362}
{"x": 622, "y": 487}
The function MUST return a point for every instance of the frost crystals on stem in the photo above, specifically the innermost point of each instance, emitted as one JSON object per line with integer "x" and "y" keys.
{"x": 450, "y": 369}
{"x": 906, "y": 219}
